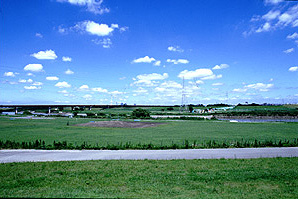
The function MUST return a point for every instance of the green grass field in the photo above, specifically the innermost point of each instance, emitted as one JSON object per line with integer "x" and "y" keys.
{"x": 173, "y": 131}
{"x": 252, "y": 178}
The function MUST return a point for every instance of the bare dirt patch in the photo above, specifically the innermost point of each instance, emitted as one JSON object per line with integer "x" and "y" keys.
{"x": 120, "y": 124}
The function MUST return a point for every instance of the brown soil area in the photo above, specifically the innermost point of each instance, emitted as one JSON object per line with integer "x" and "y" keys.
{"x": 120, "y": 124}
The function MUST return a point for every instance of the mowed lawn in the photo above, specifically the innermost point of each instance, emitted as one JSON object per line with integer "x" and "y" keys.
{"x": 249, "y": 178}
{"x": 171, "y": 132}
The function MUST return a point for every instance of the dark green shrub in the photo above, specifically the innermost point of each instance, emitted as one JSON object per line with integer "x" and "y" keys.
{"x": 190, "y": 108}
{"x": 26, "y": 112}
{"x": 75, "y": 113}
{"x": 91, "y": 114}
{"x": 140, "y": 113}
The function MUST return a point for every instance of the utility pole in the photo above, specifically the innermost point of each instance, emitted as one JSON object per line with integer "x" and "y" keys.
{"x": 112, "y": 99}
{"x": 183, "y": 99}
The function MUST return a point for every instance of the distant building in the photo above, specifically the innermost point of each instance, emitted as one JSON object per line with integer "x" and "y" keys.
{"x": 82, "y": 114}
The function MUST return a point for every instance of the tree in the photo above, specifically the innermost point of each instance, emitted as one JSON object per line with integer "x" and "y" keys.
{"x": 190, "y": 108}
{"x": 140, "y": 113}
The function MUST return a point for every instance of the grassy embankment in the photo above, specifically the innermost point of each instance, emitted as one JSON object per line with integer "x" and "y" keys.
{"x": 173, "y": 132}
{"x": 251, "y": 178}
{"x": 282, "y": 110}
{"x": 124, "y": 112}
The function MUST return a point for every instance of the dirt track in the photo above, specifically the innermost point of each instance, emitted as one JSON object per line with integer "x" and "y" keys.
{"x": 120, "y": 124}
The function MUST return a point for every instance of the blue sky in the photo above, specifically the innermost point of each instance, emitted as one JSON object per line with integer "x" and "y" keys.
{"x": 141, "y": 52}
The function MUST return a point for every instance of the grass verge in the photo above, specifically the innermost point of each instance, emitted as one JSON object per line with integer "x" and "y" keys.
{"x": 249, "y": 178}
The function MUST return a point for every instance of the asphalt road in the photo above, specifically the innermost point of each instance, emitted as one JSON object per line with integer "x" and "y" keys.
{"x": 7, "y": 156}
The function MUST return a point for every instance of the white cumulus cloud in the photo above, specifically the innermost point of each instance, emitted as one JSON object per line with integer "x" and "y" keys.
{"x": 285, "y": 19}
{"x": 63, "y": 85}
{"x": 157, "y": 63}
{"x": 69, "y": 72}
{"x": 140, "y": 90}
{"x": 240, "y": 90}
{"x": 293, "y": 36}
{"x": 264, "y": 28}
{"x": 63, "y": 91}
{"x": 30, "y": 74}
{"x": 199, "y": 82}
{"x": 260, "y": 86}
{"x": 199, "y": 73}
{"x": 116, "y": 93}
{"x": 100, "y": 90}
{"x": 106, "y": 42}
{"x": 153, "y": 76}
{"x": 123, "y": 29}
{"x": 149, "y": 79}
{"x": 145, "y": 59}
{"x": 33, "y": 67}
{"x": 170, "y": 84}
{"x": 94, "y": 28}
{"x": 175, "y": 49}
{"x": 62, "y": 30}
{"x": 179, "y": 61}
{"x": 25, "y": 81}
{"x": 66, "y": 59}
{"x": 39, "y": 35}
{"x": 217, "y": 84}
{"x": 48, "y": 54}
{"x": 159, "y": 89}
{"x": 94, "y": 6}
{"x": 31, "y": 87}
{"x": 114, "y": 25}
{"x": 294, "y": 68}
{"x": 276, "y": 18}
{"x": 52, "y": 78}
{"x": 37, "y": 83}
{"x": 273, "y": 1}
{"x": 22, "y": 80}
{"x": 9, "y": 74}
{"x": 221, "y": 66}
{"x": 84, "y": 88}
{"x": 290, "y": 17}
{"x": 212, "y": 77}
{"x": 289, "y": 50}
{"x": 271, "y": 15}
{"x": 87, "y": 97}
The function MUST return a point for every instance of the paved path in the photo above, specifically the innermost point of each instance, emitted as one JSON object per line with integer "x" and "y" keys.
{"x": 67, "y": 155}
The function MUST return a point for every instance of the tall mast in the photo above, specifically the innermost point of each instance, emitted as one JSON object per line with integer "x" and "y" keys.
{"x": 183, "y": 98}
